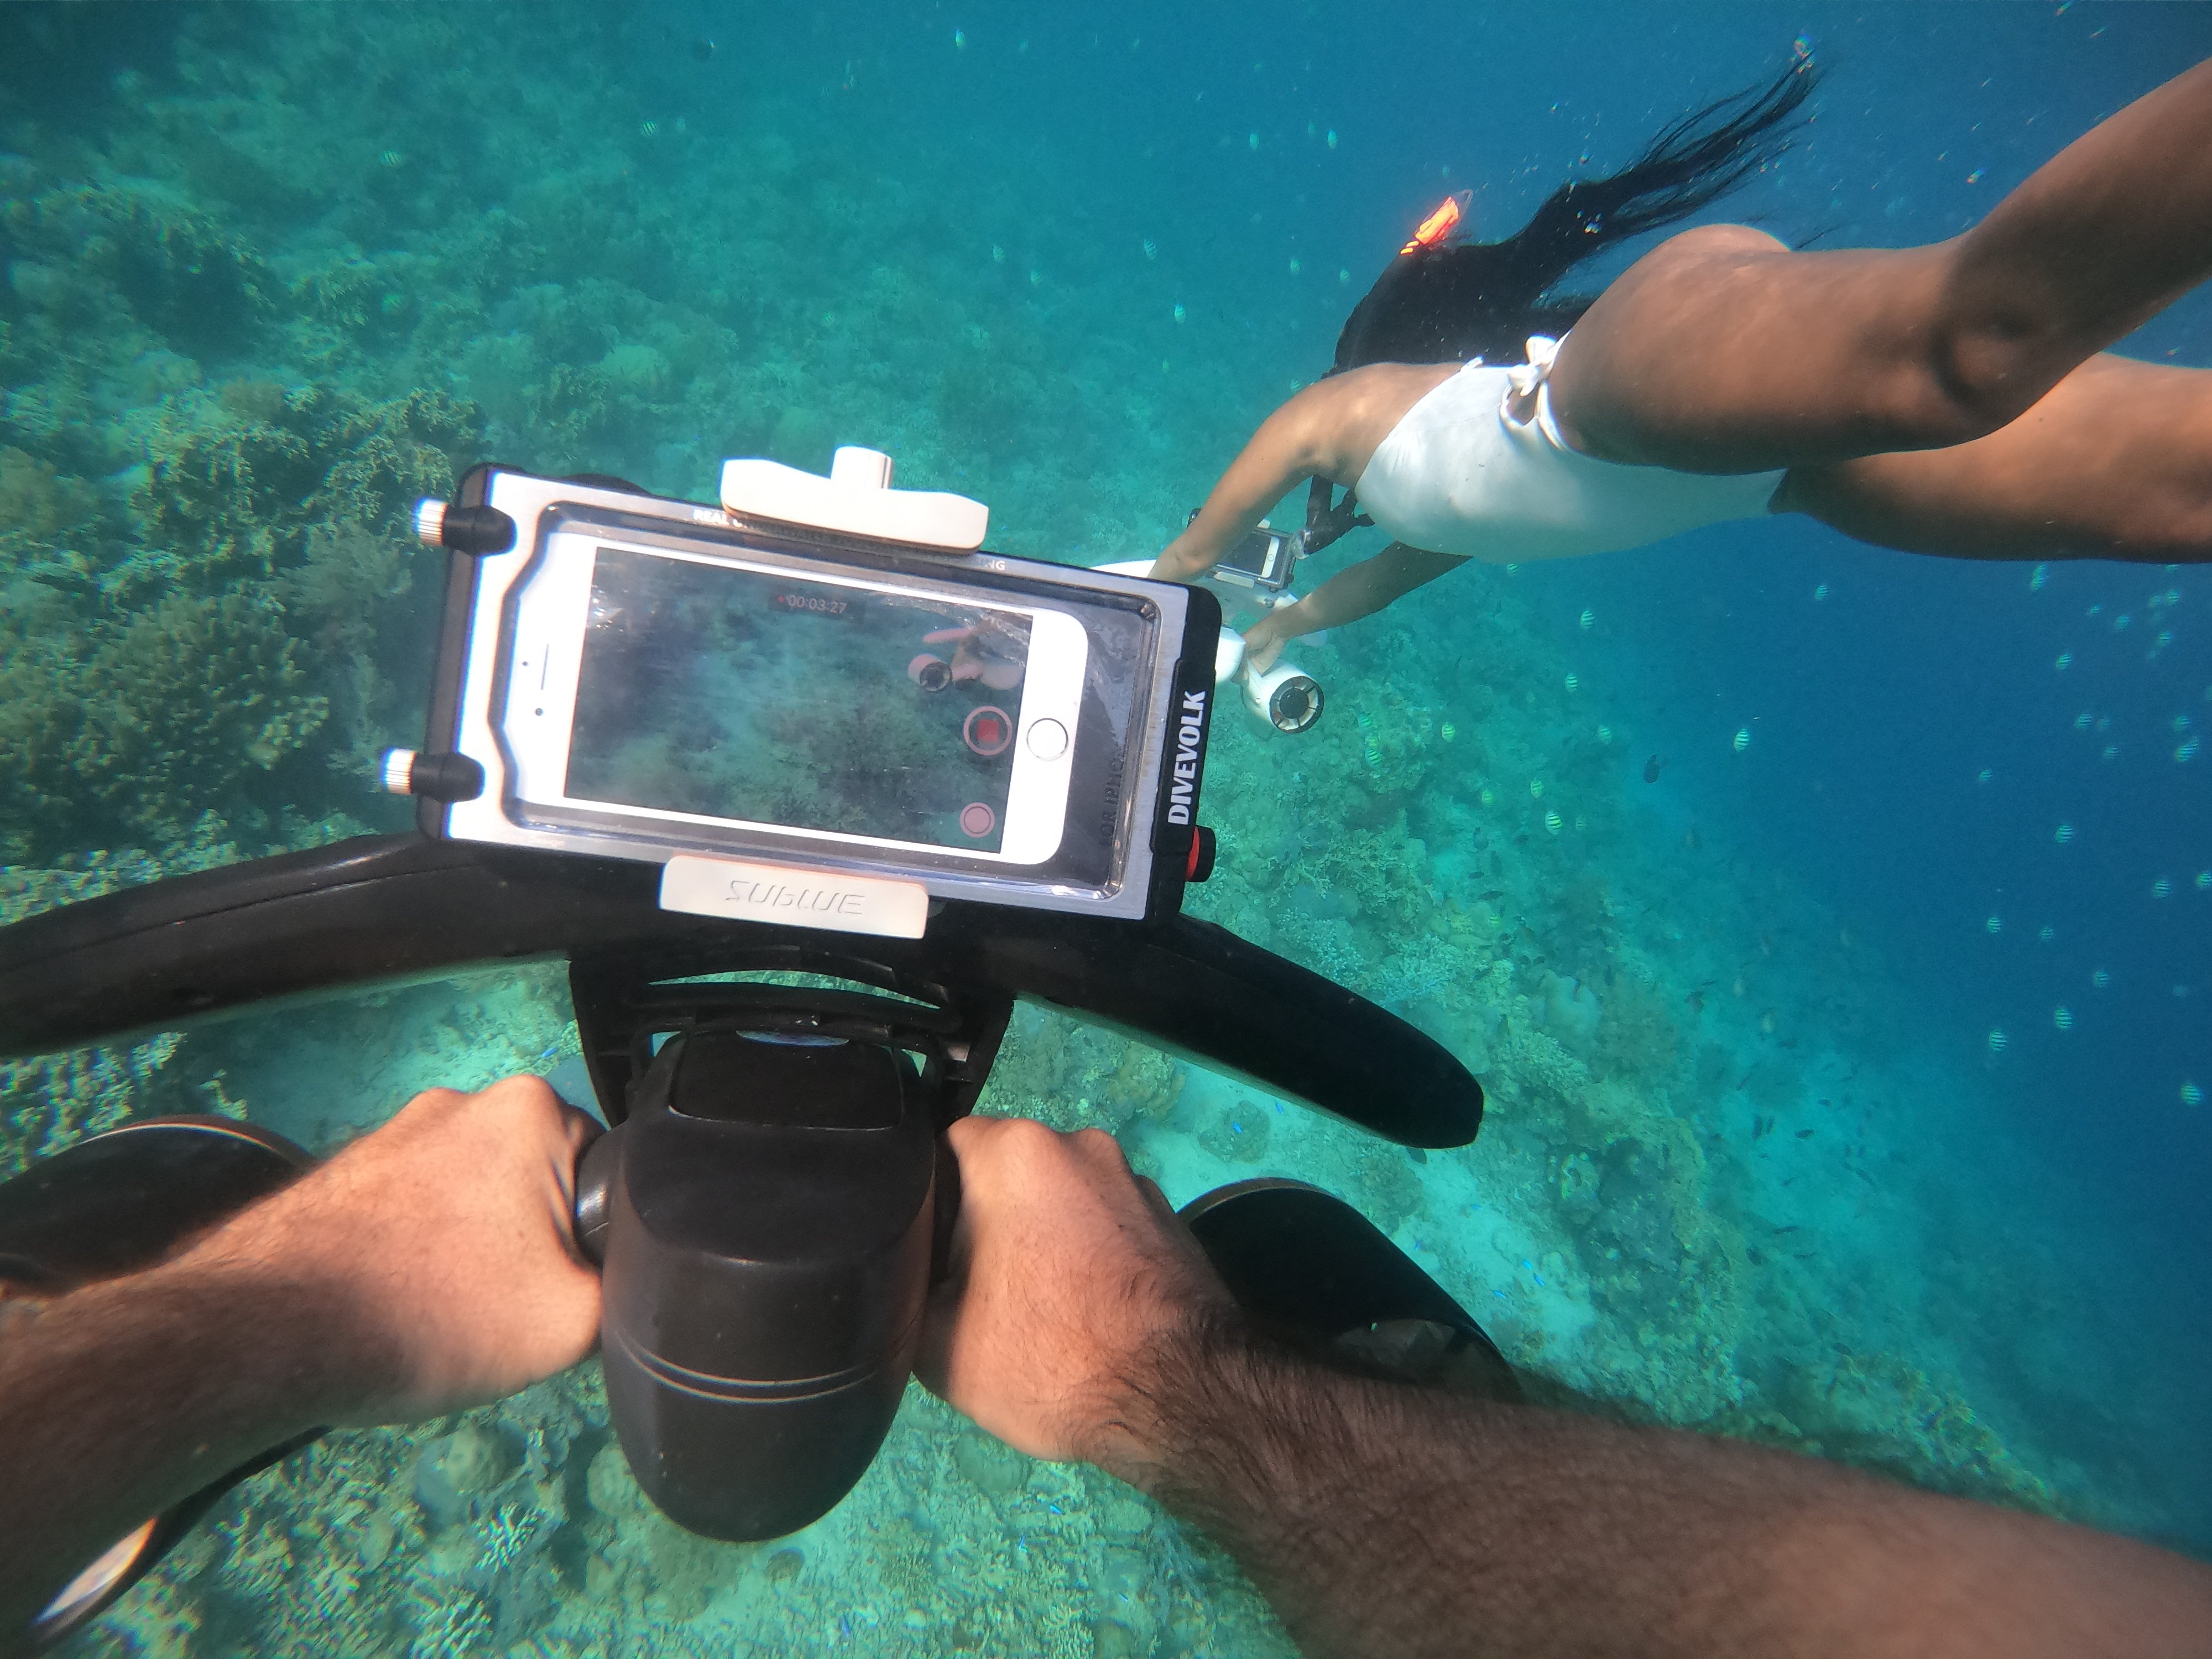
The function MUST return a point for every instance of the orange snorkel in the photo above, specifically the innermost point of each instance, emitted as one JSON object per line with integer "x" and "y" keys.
{"x": 1438, "y": 226}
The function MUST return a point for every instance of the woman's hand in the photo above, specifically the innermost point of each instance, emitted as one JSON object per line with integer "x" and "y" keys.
{"x": 1265, "y": 640}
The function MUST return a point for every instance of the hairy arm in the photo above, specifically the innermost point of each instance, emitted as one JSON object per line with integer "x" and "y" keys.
{"x": 427, "y": 1268}
{"x": 1387, "y": 1520}
{"x": 1081, "y": 1320}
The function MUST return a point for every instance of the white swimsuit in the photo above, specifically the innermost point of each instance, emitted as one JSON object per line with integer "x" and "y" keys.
{"x": 1458, "y": 474}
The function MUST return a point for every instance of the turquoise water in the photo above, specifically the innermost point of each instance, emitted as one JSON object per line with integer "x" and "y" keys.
{"x": 1757, "y": 1160}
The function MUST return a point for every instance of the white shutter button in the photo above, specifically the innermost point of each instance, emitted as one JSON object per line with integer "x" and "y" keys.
{"x": 1048, "y": 740}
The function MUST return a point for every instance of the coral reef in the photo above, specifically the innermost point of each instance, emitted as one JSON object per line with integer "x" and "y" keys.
{"x": 160, "y": 722}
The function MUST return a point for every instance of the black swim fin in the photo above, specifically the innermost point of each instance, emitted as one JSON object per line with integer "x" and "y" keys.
{"x": 117, "y": 1204}
{"x": 1316, "y": 1271}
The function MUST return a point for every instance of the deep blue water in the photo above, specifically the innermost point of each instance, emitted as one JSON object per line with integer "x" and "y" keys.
{"x": 1066, "y": 260}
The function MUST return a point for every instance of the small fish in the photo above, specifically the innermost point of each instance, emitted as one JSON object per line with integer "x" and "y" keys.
{"x": 2063, "y": 1018}
{"x": 1766, "y": 1022}
{"x": 2161, "y": 888}
{"x": 1152, "y": 248}
{"x": 1804, "y": 1135}
{"x": 1652, "y": 767}
{"x": 960, "y": 39}
{"x": 1995, "y": 924}
{"x": 2064, "y": 662}
{"x": 1588, "y": 620}
{"x": 1572, "y": 682}
{"x": 1447, "y": 732}
{"x": 1996, "y": 1040}
{"x": 1535, "y": 789}
{"x": 1820, "y": 592}
{"x": 2100, "y": 979}
{"x": 1492, "y": 893}
{"x": 703, "y": 49}
{"x": 1553, "y": 824}
{"x": 1742, "y": 740}
{"x": 1605, "y": 734}
{"x": 1178, "y": 313}
{"x": 2062, "y": 834}
{"x": 391, "y": 158}
{"x": 1417, "y": 1155}
{"x": 649, "y": 129}
{"x": 2037, "y": 577}
{"x": 2192, "y": 1095}
{"x": 1696, "y": 1000}
{"x": 1332, "y": 137}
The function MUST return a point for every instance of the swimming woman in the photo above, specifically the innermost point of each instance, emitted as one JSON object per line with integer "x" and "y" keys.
{"x": 1954, "y": 399}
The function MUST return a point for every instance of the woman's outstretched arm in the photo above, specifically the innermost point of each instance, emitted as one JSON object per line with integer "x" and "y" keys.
{"x": 1329, "y": 430}
{"x": 1356, "y": 590}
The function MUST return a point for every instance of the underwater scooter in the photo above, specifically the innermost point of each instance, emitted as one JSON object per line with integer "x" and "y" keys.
{"x": 1284, "y": 695}
{"x": 774, "y": 1190}
{"x": 1254, "y": 577}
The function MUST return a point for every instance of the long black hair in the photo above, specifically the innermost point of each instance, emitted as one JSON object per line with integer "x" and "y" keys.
{"x": 1453, "y": 302}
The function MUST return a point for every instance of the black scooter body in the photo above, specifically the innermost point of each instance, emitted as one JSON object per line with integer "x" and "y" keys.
{"x": 768, "y": 1214}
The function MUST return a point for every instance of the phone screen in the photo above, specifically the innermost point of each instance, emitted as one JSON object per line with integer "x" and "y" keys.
{"x": 776, "y": 700}
{"x": 1249, "y": 554}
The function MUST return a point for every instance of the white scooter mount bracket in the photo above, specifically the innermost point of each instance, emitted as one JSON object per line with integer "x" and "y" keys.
{"x": 856, "y": 499}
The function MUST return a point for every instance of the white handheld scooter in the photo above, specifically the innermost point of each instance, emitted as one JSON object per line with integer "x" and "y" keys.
{"x": 1285, "y": 695}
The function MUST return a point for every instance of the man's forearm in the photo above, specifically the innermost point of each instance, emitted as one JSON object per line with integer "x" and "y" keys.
{"x": 1383, "y": 1520}
{"x": 329, "y": 1301}
{"x": 123, "y": 1398}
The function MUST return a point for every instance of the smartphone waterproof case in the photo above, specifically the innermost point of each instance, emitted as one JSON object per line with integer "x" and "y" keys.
{"x": 813, "y": 723}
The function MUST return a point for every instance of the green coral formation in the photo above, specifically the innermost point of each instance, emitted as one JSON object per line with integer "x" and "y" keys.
{"x": 120, "y": 730}
{"x": 266, "y": 534}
